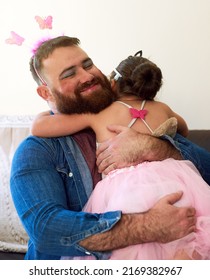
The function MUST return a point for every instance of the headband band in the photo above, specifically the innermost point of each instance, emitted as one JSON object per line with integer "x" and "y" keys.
{"x": 117, "y": 76}
{"x": 37, "y": 73}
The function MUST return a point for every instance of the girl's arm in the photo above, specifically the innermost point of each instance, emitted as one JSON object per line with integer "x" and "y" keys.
{"x": 47, "y": 125}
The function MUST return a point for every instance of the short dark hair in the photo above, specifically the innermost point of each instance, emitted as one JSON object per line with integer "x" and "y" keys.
{"x": 44, "y": 50}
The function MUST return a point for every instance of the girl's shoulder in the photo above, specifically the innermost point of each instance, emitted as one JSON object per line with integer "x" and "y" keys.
{"x": 159, "y": 104}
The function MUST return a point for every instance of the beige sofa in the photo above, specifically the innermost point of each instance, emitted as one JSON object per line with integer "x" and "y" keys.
{"x": 13, "y": 129}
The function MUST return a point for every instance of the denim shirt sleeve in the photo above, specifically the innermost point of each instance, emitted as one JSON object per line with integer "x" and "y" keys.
{"x": 192, "y": 152}
{"x": 39, "y": 195}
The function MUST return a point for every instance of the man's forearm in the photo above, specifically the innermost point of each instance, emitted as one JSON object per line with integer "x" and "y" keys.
{"x": 156, "y": 149}
{"x": 154, "y": 225}
{"x": 126, "y": 232}
{"x": 131, "y": 148}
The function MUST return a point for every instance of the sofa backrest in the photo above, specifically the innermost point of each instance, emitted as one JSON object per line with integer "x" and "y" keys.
{"x": 200, "y": 137}
{"x": 13, "y": 129}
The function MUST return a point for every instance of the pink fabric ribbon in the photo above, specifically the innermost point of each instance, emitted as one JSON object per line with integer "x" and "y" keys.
{"x": 138, "y": 113}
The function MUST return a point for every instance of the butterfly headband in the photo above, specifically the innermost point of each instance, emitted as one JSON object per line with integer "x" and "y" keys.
{"x": 37, "y": 72}
{"x": 16, "y": 39}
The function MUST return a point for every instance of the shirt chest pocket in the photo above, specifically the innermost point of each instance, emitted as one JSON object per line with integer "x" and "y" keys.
{"x": 73, "y": 189}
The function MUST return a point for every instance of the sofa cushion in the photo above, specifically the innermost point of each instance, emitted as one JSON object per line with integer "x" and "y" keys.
{"x": 13, "y": 130}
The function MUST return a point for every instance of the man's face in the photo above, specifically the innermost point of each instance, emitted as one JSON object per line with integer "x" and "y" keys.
{"x": 77, "y": 85}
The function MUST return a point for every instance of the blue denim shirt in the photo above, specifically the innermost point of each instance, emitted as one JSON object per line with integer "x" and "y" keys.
{"x": 196, "y": 154}
{"x": 50, "y": 184}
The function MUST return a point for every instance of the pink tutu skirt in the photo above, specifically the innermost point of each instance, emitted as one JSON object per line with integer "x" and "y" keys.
{"x": 138, "y": 188}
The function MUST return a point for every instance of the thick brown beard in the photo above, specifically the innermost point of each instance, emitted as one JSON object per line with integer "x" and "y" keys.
{"x": 79, "y": 104}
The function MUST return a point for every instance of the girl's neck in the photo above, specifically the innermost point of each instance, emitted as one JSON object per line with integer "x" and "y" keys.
{"x": 129, "y": 98}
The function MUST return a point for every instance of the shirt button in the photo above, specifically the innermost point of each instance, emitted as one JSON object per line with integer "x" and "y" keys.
{"x": 87, "y": 253}
{"x": 70, "y": 174}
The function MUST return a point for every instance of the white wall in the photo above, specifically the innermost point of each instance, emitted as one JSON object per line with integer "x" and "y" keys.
{"x": 173, "y": 33}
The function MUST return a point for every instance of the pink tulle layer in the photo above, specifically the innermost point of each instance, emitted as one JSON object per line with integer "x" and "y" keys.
{"x": 137, "y": 189}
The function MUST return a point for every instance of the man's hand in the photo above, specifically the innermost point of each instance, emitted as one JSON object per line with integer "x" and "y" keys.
{"x": 130, "y": 147}
{"x": 166, "y": 222}
{"x": 162, "y": 223}
{"x": 112, "y": 153}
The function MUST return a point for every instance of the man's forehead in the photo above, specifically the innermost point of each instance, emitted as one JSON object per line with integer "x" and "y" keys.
{"x": 65, "y": 55}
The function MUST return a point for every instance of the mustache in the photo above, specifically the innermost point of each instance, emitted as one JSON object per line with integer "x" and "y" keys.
{"x": 86, "y": 85}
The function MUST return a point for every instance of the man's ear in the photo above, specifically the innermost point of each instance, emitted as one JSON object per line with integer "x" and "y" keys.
{"x": 113, "y": 83}
{"x": 45, "y": 93}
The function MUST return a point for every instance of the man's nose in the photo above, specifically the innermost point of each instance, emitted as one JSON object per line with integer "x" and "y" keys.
{"x": 85, "y": 76}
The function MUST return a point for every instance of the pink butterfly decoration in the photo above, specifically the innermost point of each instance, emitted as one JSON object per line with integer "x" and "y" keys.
{"x": 38, "y": 43}
{"x": 15, "y": 39}
{"x": 138, "y": 113}
{"x": 44, "y": 23}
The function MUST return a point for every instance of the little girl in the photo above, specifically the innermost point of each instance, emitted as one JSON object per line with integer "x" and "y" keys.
{"x": 136, "y": 81}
